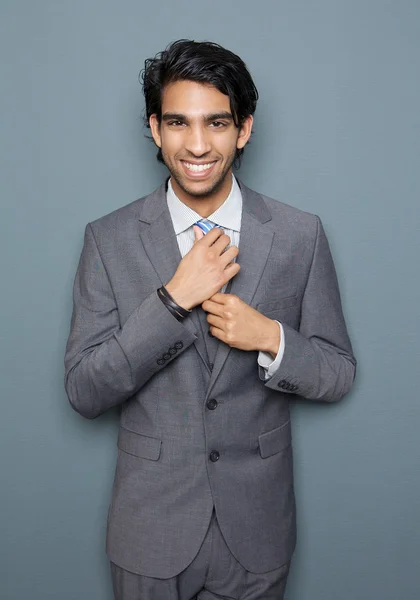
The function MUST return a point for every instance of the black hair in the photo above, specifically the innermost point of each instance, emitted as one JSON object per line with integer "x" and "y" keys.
{"x": 202, "y": 62}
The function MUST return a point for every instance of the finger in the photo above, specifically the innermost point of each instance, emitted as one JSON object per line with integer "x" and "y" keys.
{"x": 218, "y": 298}
{"x": 214, "y": 308}
{"x": 229, "y": 254}
{"x": 213, "y": 235}
{"x": 217, "y": 333}
{"x": 199, "y": 233}
{"x": 222, "y": 243}
{"x": 232, "y": 269}
{"x": 216, "y": 321}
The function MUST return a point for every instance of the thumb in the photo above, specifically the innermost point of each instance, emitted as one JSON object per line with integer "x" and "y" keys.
{"x": 199, "y": 233}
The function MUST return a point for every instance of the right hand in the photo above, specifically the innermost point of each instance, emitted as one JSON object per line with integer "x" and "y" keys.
{"x": 204, "y": 269}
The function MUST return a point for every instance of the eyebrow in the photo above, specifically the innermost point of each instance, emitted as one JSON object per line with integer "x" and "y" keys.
{"x": 211, "y": 117}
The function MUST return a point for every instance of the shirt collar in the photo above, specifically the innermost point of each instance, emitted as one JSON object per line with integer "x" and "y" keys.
{"x": 228, "y": 215}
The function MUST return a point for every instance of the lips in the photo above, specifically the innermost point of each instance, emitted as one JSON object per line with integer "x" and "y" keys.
{"x": 198, "y": 170}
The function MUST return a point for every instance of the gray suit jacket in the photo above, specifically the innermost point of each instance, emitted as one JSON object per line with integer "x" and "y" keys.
{"x": 125, "y": 348}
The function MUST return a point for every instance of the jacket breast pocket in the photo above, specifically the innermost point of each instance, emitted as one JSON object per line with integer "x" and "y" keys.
{"x": 138, "y": 444}
{"x": 276, "y": 440}
{"x": 276, "y": 306}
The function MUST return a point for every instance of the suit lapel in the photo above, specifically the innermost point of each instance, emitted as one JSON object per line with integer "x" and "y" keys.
{"x": 255, "y": 243}
{"x": 160, "y": 244}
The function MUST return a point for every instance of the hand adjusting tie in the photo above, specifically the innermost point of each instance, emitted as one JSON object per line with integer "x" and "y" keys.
{"x": 178, "y": 312}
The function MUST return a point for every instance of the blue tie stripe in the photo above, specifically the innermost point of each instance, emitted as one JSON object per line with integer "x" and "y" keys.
{"x": 206, "y": 225}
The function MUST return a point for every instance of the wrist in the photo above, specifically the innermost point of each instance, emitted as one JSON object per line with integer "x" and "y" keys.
{"x": 178, "y": 312}
{"x": 270, "y": 341}
{"x": 178, "y": 296}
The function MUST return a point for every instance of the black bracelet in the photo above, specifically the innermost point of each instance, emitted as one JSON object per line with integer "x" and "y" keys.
{"x": 171, "y": 306}
{"x": 178, "y": 312}
{"x": 183, "y": 311}
{"x": 165, "y": 301}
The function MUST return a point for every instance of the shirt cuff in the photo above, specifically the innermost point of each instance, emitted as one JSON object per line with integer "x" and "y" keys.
{"x": 265, "y": 359}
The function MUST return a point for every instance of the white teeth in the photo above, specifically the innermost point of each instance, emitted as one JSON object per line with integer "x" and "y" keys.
{"x": 198, "y": 168}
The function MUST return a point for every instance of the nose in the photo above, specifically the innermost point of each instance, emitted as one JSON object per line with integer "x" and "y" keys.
{"x": 198, "y": 142}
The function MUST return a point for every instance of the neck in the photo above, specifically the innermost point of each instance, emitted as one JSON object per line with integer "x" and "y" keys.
{"x": 205, "y": 205}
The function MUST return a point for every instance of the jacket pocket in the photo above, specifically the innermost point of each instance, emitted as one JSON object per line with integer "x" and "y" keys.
{"x": 138, "y": 444}
{"x": 279, "y": 304}
{"x": 275, "y": 441}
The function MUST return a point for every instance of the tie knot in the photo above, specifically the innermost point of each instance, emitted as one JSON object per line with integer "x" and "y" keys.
{"x": 206, "y": 225}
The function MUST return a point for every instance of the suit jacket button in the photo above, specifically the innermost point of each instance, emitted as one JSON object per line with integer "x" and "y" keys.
{"x": 281, "y": 383}
{"x": 214, "y": 456}
{"x": 160, "y": 361}
{"x": 211, "y": 404}
{"x": 172, "y": 351}
{"x": 166, "y": 356}
{"x": 178, "y": 345}
{"x": 211, "y": 365}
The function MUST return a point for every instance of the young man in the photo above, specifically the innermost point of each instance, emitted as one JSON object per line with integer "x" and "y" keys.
{"x": 203, "y": 334}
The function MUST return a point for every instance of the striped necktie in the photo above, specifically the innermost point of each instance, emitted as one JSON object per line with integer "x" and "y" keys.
{"x": 206, "y": 225}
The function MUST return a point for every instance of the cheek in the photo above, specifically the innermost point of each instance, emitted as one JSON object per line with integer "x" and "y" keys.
{"x": 235, "y": 138}
{"x": 171, "y": 145}
{"x": 227, "y": 146}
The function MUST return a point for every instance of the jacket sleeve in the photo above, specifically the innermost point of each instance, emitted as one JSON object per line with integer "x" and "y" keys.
{"x": 106, "y": 362}
{"x": 318, "y": 361}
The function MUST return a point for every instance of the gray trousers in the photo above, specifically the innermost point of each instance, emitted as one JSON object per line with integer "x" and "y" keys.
{"x": 214, "y": 574}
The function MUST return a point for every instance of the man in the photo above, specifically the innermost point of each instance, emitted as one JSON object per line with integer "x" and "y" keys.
{"x": 203, "y": 334}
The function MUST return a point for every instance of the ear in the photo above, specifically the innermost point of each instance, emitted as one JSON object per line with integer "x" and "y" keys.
{"x": 155, "y": 129}
{"x": 245, "y": 132}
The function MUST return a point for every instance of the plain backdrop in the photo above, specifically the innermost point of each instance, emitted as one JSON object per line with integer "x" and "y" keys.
{"x": 337, "y": 133}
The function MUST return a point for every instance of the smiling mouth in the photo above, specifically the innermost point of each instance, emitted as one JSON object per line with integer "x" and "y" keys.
{"x": 194, "y": 168}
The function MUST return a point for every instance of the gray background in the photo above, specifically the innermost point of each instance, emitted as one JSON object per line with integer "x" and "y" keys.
{"x": 337, "y": 134}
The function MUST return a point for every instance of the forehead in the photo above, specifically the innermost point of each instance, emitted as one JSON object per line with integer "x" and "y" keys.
{"x": 192, "y": 98}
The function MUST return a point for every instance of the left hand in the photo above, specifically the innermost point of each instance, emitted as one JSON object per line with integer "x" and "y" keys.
{"x": 239, "y": 325}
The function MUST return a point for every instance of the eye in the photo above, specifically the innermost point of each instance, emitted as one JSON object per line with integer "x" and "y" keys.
{"x": 175, "y": 123}
{"x": 217, "y": 124}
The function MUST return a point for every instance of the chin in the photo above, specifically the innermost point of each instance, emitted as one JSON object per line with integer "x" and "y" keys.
{"x": 199, "y": 192}
{"x": 200, "y": 189}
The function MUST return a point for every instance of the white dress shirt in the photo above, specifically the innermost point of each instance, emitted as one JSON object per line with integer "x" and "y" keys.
{"x": 228, "y": 216}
